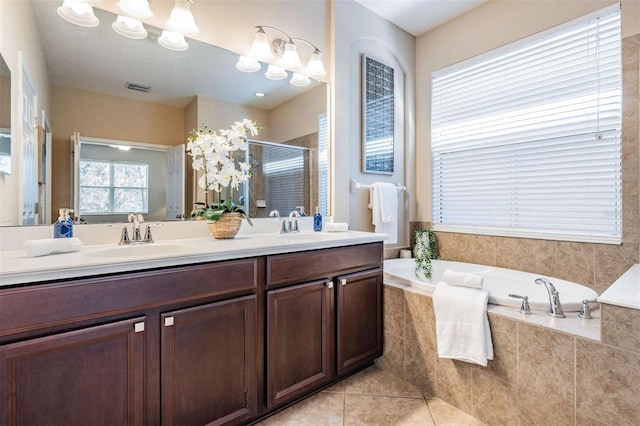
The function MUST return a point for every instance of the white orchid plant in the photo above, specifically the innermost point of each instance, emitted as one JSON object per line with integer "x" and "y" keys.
{"x": 216, "y": 155}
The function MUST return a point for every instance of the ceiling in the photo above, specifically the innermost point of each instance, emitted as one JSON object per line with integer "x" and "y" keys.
{"x": 419, "y": 16}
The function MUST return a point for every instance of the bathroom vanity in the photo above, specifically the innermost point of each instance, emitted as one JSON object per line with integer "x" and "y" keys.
{"x": 220, "y": 341}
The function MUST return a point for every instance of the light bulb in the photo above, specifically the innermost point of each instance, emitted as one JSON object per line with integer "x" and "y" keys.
{"x": 137, "y": 9}
{"x": 129, "y": 27}
{"x": 315, "y": 67}
{"x": 299, "y": 80}
{"x": 78, "y": 12}
{"x": 260, "y": 49}
{"x": 275, "y": 72}
{"x": 247, "y": 64}
{"x": 173, "y": 41}
{"x": 290, "y": 58}
{"x": 181, "y": 19}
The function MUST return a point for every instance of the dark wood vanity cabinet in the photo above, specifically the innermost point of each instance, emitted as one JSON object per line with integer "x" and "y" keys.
{"x": 324, "y": 317}
{"x": 208, "y": 363}
{"x": 216, "y": 343}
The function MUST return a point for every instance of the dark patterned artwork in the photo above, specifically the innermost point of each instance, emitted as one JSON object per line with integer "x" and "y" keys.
{"x": 377, "y": 120}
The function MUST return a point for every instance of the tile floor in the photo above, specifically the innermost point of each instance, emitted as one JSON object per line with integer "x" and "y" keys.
{"x": 372, "y": 397}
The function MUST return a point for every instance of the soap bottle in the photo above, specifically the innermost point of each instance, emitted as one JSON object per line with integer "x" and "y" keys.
{"x": 317, "y": 221}
{"x": 63, "y": 228}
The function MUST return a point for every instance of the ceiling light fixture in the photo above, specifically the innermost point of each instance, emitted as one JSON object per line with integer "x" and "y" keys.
{"x": 286, "y": 50}
{"x": 129, "y": 27}
{"x": 173, "y": 41}
{"x": 181, "y": 19}
{"x": 79, "y": 12}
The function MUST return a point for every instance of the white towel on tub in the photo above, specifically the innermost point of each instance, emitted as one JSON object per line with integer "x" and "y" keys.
{"x": 465, "y": 279}
{"x": 462, "y": 326}
{"x": 383, "y": 202}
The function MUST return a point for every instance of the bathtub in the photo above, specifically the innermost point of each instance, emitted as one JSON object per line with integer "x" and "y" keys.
{"x": 499, "y": 281}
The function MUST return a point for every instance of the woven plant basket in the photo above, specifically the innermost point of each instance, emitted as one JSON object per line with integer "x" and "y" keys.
{"x": 226, "y": 227}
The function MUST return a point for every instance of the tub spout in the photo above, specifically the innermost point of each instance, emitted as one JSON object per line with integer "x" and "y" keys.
{"x": 555, "y": 307}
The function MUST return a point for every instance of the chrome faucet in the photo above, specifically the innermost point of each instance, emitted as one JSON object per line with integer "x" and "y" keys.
{"x": 555, "y": 307}
{"x": 136, "y": 219}
{"x": 293, "y": 220}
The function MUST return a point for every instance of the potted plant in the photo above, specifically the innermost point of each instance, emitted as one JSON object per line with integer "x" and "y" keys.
{"x": 216, "y": 155}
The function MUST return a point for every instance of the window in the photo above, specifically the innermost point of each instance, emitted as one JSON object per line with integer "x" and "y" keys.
{"x": 526, "y": 140}
{"x": 323, "y": 165}
{"x": 108, "y": 187}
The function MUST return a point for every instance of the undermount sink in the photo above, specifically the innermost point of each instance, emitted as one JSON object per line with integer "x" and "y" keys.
{"x": 138, "y": 250}
{"x": 310, "y": 236}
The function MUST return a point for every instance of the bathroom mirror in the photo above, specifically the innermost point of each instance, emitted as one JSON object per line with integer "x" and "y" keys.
{"x": 5, "y": 118}
{"x": 200, "y": 83}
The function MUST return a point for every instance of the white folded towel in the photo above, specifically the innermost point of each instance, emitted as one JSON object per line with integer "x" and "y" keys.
{"x": 336, "y": 227}
{"x": 462, "y": 326}
{"x": 383, "y": 202}
{"x": 465, "y": 279}
{"x": 36, "y": 248}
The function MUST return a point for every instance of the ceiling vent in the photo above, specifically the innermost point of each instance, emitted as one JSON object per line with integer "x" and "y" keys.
{"x": 138, "y": 87}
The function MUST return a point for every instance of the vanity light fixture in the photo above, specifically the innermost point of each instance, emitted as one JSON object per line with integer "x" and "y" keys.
{"x": 259, "y": 94}
{"x": 286, "y": 49}
{"x": 79, "y": 12}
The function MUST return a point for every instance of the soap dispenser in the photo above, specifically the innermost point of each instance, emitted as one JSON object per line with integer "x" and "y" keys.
{"x": 317, "y": 221}
{"x": 63, "y": 228}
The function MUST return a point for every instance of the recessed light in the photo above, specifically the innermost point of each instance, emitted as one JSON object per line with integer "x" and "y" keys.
{"x": 259, "y": 94}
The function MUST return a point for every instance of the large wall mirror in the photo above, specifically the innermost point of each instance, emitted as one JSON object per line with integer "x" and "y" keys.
{"x": 5, "y": 118}
{"x": 89, "y": 70}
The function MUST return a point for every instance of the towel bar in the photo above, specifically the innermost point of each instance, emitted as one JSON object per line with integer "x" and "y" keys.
{"x": 355, "y": 186}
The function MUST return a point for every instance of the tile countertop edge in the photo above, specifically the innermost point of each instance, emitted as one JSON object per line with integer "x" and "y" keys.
{"x": 25, "y": 270}
{"x": 625, "y": 291}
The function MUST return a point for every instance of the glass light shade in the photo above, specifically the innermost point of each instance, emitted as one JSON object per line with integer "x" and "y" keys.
{"x": 247, "y": 64}
{"x": 260, "y": 49}
{"x": 78, "y": 12}
{"x": 275, "y": 72}
{"x": 137, "y": 9}
{"x": 290, "y": 58}
{"x": 181, "y": 19}
{"x": 173, "y": 41}
{"x": 300, "y": 80}
{"x": 315, "y": 67}
{"x": 129, "y": 27}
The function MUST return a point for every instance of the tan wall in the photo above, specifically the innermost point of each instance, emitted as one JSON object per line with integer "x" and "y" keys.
{"x": 5, "y": 101}
{"x": 109, "y": 117}
{"x": 16, "y": 17}
{"x": 217, "y": 114}
{"x": 299, "y": 116}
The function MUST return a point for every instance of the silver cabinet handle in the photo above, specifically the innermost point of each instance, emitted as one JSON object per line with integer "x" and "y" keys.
{"x": 168, "y": 321}
{"x": 343, "y": 281}
{"x": 329, "y": 284}
{"x": 138, "y": 327}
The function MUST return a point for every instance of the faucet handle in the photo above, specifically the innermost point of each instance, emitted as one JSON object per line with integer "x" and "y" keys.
{"x": 585, "y": 312}
{"x": 274, "y": 213}
{"x": 524, "y": 308}
{"x": 147, "y": 235}
{"x": 124, "y": 236}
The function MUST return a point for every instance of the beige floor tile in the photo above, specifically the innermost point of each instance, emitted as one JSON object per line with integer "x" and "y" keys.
{"x": 447, "y": 415}
{"x": 369, "y": 410}
{"x": 375, "y": 381}
{"x": 321, "y": 409}
{"x": 337, "y": 388}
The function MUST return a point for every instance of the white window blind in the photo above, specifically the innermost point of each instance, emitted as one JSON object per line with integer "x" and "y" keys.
{"x": 526, "y": 140}
{"x": 323, "y": 165}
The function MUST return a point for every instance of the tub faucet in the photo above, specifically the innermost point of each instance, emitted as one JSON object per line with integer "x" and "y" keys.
{"x": 555, "y": 307}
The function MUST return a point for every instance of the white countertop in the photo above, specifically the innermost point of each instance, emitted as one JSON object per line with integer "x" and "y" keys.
{"x": 625, "y": 291}
{"x": 97, "y": 259}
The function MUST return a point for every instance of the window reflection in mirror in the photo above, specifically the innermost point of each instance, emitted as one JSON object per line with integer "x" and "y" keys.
{"x": 5, "y": 118}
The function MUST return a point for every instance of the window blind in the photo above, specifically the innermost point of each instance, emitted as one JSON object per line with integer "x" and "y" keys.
{"x": 323, "y": 165}
{"x": 526, "y": 140}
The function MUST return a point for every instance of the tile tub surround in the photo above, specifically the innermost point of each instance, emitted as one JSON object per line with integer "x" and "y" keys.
{"x": 578, "y": 380}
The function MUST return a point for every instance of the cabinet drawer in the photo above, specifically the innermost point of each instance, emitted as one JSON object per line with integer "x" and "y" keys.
{"x": 325, "y": 263}
{"x": 35, "y": 307}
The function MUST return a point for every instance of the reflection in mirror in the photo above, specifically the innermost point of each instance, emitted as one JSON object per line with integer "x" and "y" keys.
{"x": 88, "y": 70}
{"x": 5, "y": 118}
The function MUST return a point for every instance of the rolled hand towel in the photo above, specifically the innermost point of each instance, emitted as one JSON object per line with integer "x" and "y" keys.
{"x": 336, "y": 227}
{"x": 44, "y": 247}
{"x": 464, "y": 279}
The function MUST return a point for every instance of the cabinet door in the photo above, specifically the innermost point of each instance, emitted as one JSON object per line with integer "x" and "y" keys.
{"x": 209, "y": 363}
{"x": 359, "y": 319}
{"x": 92, "y": 376}
{"x": 299, "y": 339}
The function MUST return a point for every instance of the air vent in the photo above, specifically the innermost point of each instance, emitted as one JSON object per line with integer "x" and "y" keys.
{"x": 139, "y": 87}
